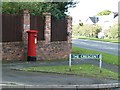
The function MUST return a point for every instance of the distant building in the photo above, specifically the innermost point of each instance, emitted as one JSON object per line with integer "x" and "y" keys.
{"x": 107, "y": 20}
{"x": 104, "y": 21}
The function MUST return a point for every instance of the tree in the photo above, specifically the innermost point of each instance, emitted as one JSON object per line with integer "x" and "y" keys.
{"x": 113, "y": 32}
{"x": 57, "y": 9}
{"x": 86, "y": 30}
{"x": 105, "y": 12}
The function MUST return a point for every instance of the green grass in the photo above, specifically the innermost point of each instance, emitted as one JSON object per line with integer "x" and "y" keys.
{"x": 107, "y": 58}
{"x": 85, "y": 70}
{"x": 97, "y": 39}
{"x": 82, "y": 70}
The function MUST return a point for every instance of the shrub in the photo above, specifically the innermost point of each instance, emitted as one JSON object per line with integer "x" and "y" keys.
{"x": 112, "y": 32}
{"x": 86, "y": 30}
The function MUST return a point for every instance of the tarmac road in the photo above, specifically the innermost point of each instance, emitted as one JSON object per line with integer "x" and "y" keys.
{"x": 107, "y": 47}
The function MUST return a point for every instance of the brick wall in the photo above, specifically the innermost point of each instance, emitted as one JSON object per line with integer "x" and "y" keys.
{"x": 46, "y": 50}
{"x": 12, "y": 51}
{"x": 53, "y": 50}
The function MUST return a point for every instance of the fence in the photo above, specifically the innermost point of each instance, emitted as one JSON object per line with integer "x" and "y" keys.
{"x": 58, "y": 30}
{"x": 38, "y": 23}
{"x": 12, "y": 27}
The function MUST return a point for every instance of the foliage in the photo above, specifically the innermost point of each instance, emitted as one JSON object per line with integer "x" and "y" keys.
{"x": 86, "y": 30}
{"x": 105, "y": 12}
{"x": 57, "y": 9}
{"x": 112, "y": 32}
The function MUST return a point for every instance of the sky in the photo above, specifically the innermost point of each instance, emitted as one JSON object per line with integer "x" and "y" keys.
{"x": 86, "y": 8}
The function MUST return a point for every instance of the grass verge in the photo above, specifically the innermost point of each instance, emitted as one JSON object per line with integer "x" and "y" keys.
{"x": 107, "y": 58}
{"x": 97, "y": 39}
{"x": 82, "y": 70}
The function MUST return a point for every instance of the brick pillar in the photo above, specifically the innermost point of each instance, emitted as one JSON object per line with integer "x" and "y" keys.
{"x": 69, "y": 29}
{"x": 47, "y": 32}
{"x": 1, "y": 49}
{"x": 26, "y": 26}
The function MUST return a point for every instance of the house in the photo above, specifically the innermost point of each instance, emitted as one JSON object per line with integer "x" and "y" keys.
{"x": 104, "y": 21}
{"x": 107, "y": 20}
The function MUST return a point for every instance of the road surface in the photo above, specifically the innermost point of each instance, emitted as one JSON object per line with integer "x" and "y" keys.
{"x": 107, "y": 47}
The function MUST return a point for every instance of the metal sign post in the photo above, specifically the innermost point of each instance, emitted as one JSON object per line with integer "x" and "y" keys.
{"x": 69, "y": 62}
{"x": 100, "y": 64}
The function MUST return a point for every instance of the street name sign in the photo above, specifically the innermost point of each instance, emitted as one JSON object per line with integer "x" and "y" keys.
{"x": 85, "y": 56}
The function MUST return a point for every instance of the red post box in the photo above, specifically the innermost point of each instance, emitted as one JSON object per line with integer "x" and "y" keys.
{"x": 32, "y": 41}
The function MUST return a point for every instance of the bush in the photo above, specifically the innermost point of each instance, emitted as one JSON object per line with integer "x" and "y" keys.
{"x": 86, "y": 30}
{"x": 112, "y": 32}
{"x": 57, "y": 9}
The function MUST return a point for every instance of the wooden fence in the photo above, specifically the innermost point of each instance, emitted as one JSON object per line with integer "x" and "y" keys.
{"x": 12, "y": 27}
{"x": 59, "y": 30}
{"x": 38, "y": 23}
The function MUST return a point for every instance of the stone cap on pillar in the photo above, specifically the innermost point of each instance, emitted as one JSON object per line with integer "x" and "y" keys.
{"x": 68, "y": 17}
{"x": 26, "y": 11}
{"x": 46, "y": 13}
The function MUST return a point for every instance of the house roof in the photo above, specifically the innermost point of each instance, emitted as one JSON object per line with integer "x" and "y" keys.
{"x": 115, "y": 14}
{"x": 94, "y": 19}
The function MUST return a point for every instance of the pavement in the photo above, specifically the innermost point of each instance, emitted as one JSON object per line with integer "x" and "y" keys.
{"x": 66, "y": 87}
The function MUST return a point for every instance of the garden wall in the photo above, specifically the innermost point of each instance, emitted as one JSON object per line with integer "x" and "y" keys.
{"x": 47, "y": 48}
